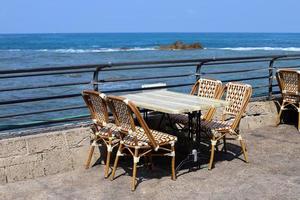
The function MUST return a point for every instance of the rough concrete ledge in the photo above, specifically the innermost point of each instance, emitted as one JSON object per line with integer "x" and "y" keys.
{"x": 259, "y": 114}
{"x": 32, "y": 156}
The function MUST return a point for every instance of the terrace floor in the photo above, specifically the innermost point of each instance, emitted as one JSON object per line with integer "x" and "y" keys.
{"x": 273, "y": 173}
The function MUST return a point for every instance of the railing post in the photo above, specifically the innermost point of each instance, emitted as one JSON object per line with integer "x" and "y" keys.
{"x": 95, "y": 79}
{"x": 270, "y": 95}
{"x": 198, "y": 70}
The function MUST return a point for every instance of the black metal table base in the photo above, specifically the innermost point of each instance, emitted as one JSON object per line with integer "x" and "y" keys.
{"x": 194, "y": 134}
{"x": 194, "y": 159}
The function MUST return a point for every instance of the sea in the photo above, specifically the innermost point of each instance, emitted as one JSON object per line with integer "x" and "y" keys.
{"x": 18, "y": 51}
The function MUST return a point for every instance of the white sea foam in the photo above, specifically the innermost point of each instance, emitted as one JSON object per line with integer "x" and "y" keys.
{"x": 71, "y": 50}
{"x": 100, "y": 50}
{"x": 262, "y": 48}
{"x": 11, "y": 50}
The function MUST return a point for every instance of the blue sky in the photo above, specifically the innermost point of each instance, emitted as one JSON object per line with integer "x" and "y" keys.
{"x": 54, "y": 16}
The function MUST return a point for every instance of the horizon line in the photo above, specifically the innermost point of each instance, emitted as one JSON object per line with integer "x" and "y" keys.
{"x": 144, "y": 32}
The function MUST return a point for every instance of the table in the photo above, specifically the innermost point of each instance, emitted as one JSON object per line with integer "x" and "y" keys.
{"x": 172, "y": 102}
{"x": 169, "y": 102}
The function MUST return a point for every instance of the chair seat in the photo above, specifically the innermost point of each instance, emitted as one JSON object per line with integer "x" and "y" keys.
{"x": 181, "y": 118}
{"x": 143, "y": 141}
{"x": 104, "y": 131}
{"x": 291, "y": 99}
{"x": 215, "y": 126}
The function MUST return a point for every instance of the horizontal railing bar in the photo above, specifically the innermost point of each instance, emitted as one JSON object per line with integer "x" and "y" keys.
{"x": 205, "y": 62}
{"x": 152, "y": 88}
{"x": 42, "y": 111}
{"x": 201, "y": 60}
{"x": 149, "y": 67}
{"x": 39, "y": 99}
{"x": 260, "y": 95}
{"x": 46, "y": 74}
{"x": 109, "y": 65}
{"x": 43, "y": 86}
{"x": 285, "y": 67}
{"x": 246, "y": 79}
{"x": 142, "y": 78}
{"x": 283, "y": 59}
{"x": 40, "y": 123}
{"x": 236, "y": 62}
{"x": 43, "y": 69}
{"x": 276, "y": 92}
{"x": 260, "y": 86}
{"x": 234, "y": 71}
{"x": 24, "y": 125}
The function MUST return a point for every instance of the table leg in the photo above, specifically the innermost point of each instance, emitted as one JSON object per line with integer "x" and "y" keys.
{"x": 194, "y": 134}
{"x": 190, "y": 124}
{"x": 146, "y": 115}
{"x": 198, "y": 128}
{"x": 160, "y": 121}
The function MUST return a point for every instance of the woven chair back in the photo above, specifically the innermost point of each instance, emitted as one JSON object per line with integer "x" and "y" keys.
{"x": 124, "y": 112}
{"x": 208, "y": 88}
{"x": 238, "y": 95}
{"x": 288, "y": 81}
{"x": 97, "y": 106}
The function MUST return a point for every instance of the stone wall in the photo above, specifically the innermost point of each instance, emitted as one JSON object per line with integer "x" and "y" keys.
{"x": 259, "y": 114}
{"x": 55, "y": 152}
{"x": 43, "y": 154}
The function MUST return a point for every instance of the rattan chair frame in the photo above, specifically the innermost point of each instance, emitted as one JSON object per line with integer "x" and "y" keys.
{"x": 129, "y": 110}
{"x": 289, "y": 85}
{"x": 204, "y": 87}
{"x": 215, "y": 87}
{"x": 235, "y": 110}
{"x": 96, "y": 103}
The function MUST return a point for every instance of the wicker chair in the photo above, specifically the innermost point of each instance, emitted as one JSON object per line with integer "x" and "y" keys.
{"x": 238, "y": 96}
{"x": 289, "y": 85}
{"x": 103, "y": 132}
{"x": 139, "y": 141}
{"x": 208, "y": 88}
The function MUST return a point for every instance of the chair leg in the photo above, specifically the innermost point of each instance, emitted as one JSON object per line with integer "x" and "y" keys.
{"x": 150, "y": 162}
{"x": 135, "y": 161}
{"x": 107, "y": 164}
{"x": 212, "y": 153}
{"x": 224, "y": 144}
{"x": 279, "y": 114}
{"x": 299, "y": 117}
{"x": 91, "y": 152}
{"x": 243, "y": 145}
{"x": 173, "y": 163}
{"x": 119, "y": 153}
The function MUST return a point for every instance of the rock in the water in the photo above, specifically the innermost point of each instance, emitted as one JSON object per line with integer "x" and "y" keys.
{"x": 179, "y": 45}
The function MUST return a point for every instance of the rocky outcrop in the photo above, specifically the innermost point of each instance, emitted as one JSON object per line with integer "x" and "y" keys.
{"x": 179, "y": 45}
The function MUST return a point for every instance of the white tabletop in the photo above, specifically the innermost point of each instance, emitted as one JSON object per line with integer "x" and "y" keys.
{"x": 172, "y": 102}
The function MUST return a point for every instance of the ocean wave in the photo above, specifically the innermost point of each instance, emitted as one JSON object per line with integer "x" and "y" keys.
{"x": 100, "y": 50}
{"x": 11, "y": 50}
{"x": 262, "y": 48}
{"x": 71, "y": 50}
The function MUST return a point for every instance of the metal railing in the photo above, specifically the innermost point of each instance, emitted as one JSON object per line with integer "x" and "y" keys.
{"x": 119, "y": 78}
